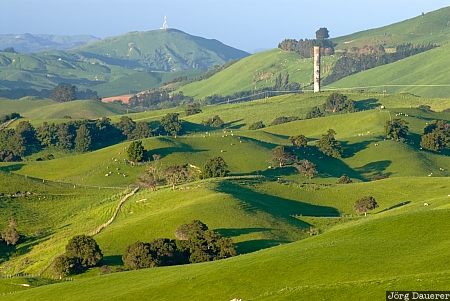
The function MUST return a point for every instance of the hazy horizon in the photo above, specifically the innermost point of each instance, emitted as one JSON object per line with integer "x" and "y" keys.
{"x": 249, "y": 25}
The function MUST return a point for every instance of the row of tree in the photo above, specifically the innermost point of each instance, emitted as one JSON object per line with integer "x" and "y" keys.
{"x": 305, "y": 47}
{"x": 195, "y": 243}
{"x": 159, "y": 99}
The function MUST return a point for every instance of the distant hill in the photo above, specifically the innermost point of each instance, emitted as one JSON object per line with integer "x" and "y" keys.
{"x": 168, "y": 50}
{"x": 114, "y": 66}
{"x": 432, "y": 27}
{"x": 27, "y": 43}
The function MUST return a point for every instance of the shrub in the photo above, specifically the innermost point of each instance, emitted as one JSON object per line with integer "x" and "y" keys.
{"x": 283, "y": 119}
{"x": 344, "y": 179}
{"x": 139, "y": 256}
{"x": 64, "y": 266}
{"x": 306, "y": 168}
{"x": 257, "y": 125}
{"x": 215, "y": 167}
{"x": 86, "y": 249}
{"x": 136, "y": 151}
{"x": 314, "y": 113}
{"x": 365, "y": 204}
{"x": 215, "y": 122}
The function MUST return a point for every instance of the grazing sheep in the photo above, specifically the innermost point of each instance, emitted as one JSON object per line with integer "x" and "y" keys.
{"x": 426, "y": 204}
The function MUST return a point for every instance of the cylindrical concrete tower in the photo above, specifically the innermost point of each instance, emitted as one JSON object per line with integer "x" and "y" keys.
{"x": 316, "y": 69}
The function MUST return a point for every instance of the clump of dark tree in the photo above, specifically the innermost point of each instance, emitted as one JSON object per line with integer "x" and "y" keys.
{"x": 305, "y": 47}
{"x": 215, "y": 122}
{"x": 67, "y": 92}
{"x": 360, "y": 59}
{"x": 78, "y": 135}
{"x": 396, "y": 129}
{"x": 8, "y": 117}
{"x": 283, "y": 119}
{"x": 193, "y": 108}
{"x": 195, "y": 243}
{"x": 136, "y": 151}
{"x": 284, "y": 156}
{"x": 257, "y": 125}
{"x": 82, "y": 253}
{"x": 335, "y": 103}
{"x": 436, "y": 136}
{"x": 158, "y": 99}
{"x": 365, "y": 204}
{"x": 328, "y": 145}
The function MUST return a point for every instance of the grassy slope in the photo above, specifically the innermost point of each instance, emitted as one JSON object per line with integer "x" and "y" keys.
{"x": 433, "y": 27}
{"x": 256, "y": 71}
{"x": 42, "y": 110}
{"x": 429, "y": 68}
{"x": 364, "y": 258}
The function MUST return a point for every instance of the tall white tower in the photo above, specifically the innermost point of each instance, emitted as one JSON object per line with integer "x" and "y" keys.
{"x": 165, "y": 25}
{"x": 316, "y": 69}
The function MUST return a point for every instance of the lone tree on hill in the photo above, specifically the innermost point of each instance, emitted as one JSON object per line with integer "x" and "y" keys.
{"x": 299, "y": 141}
{"x": 306, "y": 168}
{"x": 436, "y": 136}
{"x": 86, "y": 249}
{"x": 83, "y": 141}
{"x": 396, "y": 129}
{"x": 338, "y": 102}
{"x": 329, "y": 145}
{"x": 176, "y": 174}
{"x": 171, "y": 124}
{"x": 344, "y": 179}
{"x": 64, "y": 93}
{"x": 322, "y": 33}
{"x": 64, "y": 266}
{"x": 215, "y": 122}
{"x": 136, "y": 151}
{"x": 282, "y": 156}
{"x": 365, "y": 204}
{"x": 257, "y": 125}
{"x": 193, "y": 108}
{"x": 10, "y": 234}
{"x": 215, "y": 167}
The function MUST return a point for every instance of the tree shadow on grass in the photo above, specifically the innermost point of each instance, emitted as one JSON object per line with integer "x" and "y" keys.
{"x": 351, "y": 149}
{"x": 367, "y": 104}
{"x": 112, "y": 260}
{"x": 395, "y": 206}
{"x": 166, "y": 151}
{"x": 190, "y": 127}
{"x": 376, "y": 168}
{"x": 235, "y": 124}
{"x": 280, "y": 208}
{"x": 232, "y": 232}
{"x": 250, "y": 246}
{"x": 11, "y": 168}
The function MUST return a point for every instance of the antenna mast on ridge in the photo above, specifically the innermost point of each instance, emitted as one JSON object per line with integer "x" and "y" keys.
{"x": 165, "y": 25}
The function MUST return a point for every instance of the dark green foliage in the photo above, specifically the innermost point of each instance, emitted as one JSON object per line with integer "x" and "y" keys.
{"x": 64, "y": 266}
{"x": 12, "y": 143}
{"x": 8, "y": 117}
{"x": 282, "y": 156}
{"x": 257, "y": 125}
{"x": 314, "y": 113}
{"x": 299, "y": 141}
{"x": 360, "y": 59}
{"x": 193, "y": 108}
{"x": 436, "y": 136}
{"x": 142, "y": 131}
{"x": 8, "y": 156}
{"x": 337, "y": 103}
{"x": 171, "y": 124}
{"x": 127, "y": 126}
{"x": 396, "y": 129}
{"x": 158, "y": 99}
{"x": 10, "y": 234}
{"x": 322, "y": 33}
{"x": 215, "y": 167}
{"x": 86, "y": 249}
{"x": 136, "y": 151}
{"x": 365, "y": 204}
{"x": 283, "y": 119}
{"x": 83, "y": 141}
{"x": 65, "y": 135}
{"x": 215, "y": 122}
{"x": 282, "y": 83}
{"x": 344, "y": 179}
{"x": 306, "y": 168}
{"x": 185, "y": 231}
{"x": 202, "y": 244}
{"x": 64, "y": 93}
{"x": 46, "y": 134}
{"x": 139, "y": 256}
{"x": 328, "y": 145}
{"x": 305, "y": 47}
{"x": 167, "y": 253}
{"x": 176, "y": 174}
{"x": 26, "y": 136}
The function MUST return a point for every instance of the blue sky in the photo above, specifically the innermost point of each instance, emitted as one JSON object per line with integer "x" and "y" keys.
{"x": 245, "y": 24}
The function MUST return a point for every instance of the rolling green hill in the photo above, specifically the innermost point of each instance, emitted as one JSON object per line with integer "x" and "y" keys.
{"x": 425, "y": 74}
{"x": 255, "y": 72}
{"x": 432, "y": 27}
